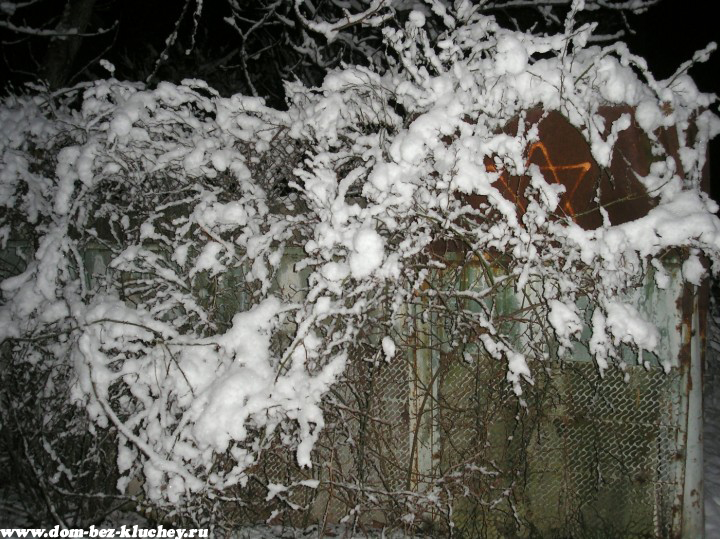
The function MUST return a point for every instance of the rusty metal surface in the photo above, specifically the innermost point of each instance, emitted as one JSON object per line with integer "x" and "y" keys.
{"x": 692, "y": 309}
{"x": 585, "y": 455}
{"x": 563, "y": 155}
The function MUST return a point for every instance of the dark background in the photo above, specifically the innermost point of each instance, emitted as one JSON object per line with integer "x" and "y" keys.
{"x": 666, "y": 35}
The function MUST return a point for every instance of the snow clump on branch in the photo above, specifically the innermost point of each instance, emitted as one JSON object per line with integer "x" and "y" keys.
{"x": 207, "y": 311}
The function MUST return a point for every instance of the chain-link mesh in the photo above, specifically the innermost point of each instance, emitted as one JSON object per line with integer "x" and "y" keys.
{"x": 438, "y": 438}
{"x": 272, "y": 163}
{"x": 587, "y": 457}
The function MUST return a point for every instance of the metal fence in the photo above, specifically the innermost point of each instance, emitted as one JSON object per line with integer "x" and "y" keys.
{"x": 436, "y": 441}
{"x": 439, "y": 440}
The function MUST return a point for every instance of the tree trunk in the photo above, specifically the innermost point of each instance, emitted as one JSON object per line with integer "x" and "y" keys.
{"x": 62, "y": 50}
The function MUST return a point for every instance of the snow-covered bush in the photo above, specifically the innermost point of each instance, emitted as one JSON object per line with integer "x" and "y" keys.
{"x": 154, "y": 246}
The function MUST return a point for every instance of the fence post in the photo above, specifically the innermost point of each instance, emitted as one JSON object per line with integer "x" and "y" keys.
{"x": 693, "y": 521}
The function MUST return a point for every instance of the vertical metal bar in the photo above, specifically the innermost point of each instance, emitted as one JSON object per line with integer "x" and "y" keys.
{"x": 422, "y": 403}
{"x": 693, "y": 503}
{"x": 424, "y": 433}
{"x": 419, "y": 364}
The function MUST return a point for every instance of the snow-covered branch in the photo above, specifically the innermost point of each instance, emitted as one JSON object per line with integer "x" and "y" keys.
{"x": 42, "y": 32}
{"x": 376, "y": 14}
{"x": 214, "y": 268}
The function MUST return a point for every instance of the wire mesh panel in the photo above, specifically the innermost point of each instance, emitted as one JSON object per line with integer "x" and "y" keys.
{"x": 579, "y": 454}
{"x": 587, "y": 456}
{"x": 438, "y": 439}
{"x": 272, "y": 163}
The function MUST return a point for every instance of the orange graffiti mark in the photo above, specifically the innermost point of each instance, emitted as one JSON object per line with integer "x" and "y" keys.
{"x": 513, "y": 192}
{"x": 555, "y": 170}
{"x": 582, "y": 168}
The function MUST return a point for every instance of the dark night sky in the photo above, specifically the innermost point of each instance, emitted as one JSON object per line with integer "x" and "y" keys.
{"x": 668, "y": 35}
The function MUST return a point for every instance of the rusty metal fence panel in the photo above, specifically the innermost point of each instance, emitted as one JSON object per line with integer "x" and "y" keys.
{"x": 439, "y": 428}
{"x": 580, "y": 455}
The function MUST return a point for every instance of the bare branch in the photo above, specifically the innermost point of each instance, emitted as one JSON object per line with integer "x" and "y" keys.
{"x": 39, "y": 32}
{"x": 169, "y": 42}
{"x": 369, "y": 17}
